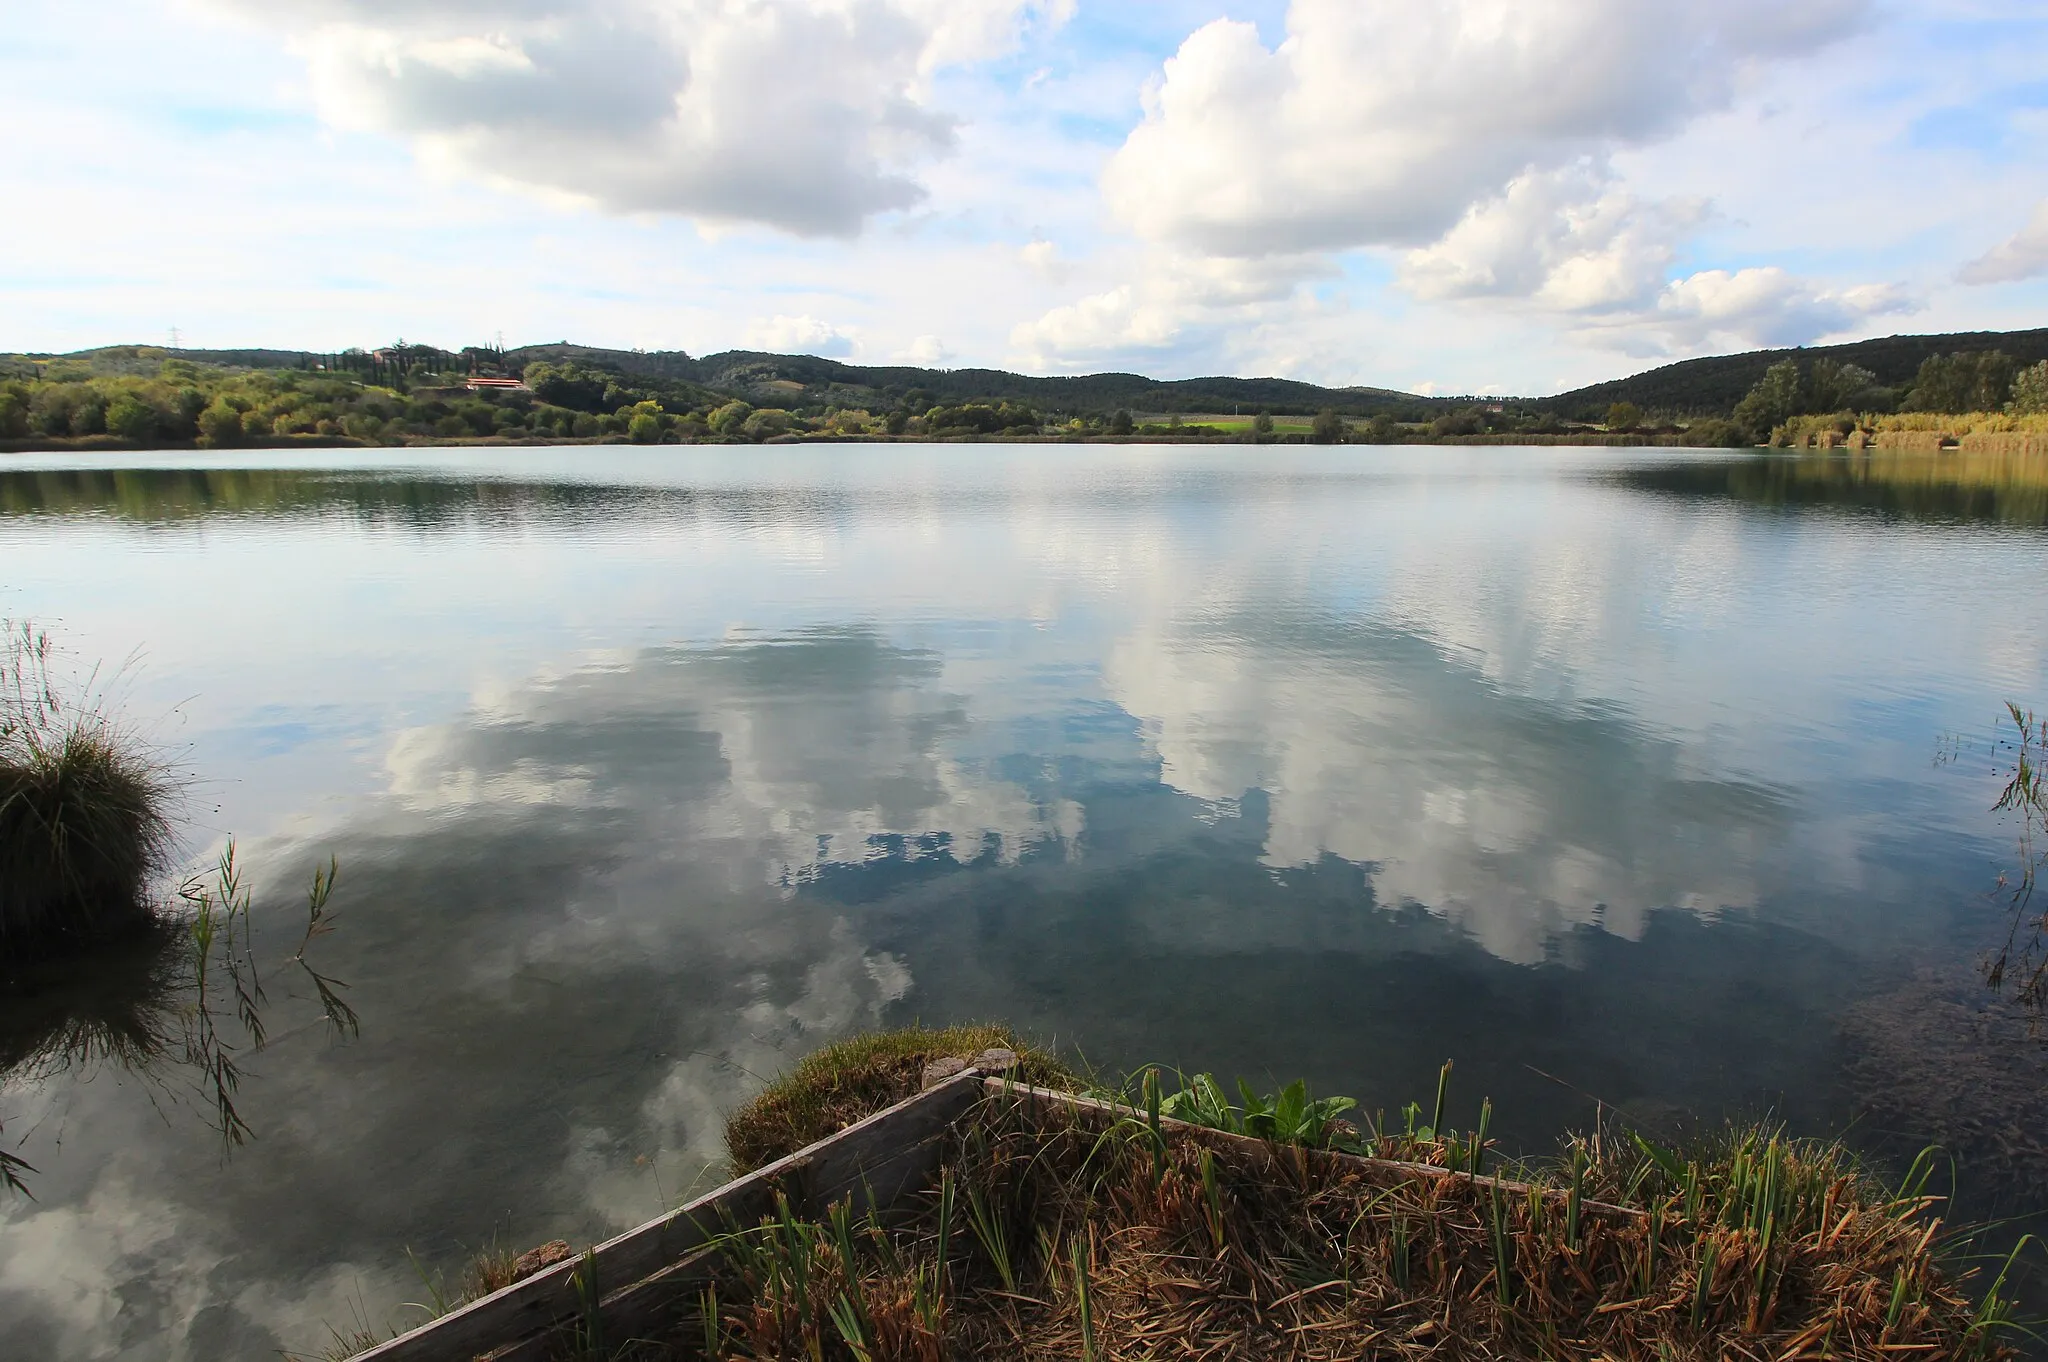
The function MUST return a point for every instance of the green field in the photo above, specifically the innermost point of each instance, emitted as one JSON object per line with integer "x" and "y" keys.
{"x": 1238, "y": 425}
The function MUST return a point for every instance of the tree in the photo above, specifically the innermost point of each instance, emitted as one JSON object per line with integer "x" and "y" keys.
{"x": 897, "y": 421}
{"x": 1832, "y": 386}
{"x": 220, "y": 425}
{"x": 13, "y": 415}
{"x": 2029, "y": 391}
{"x": 131, "y": 418}
{"x": 1385, "y": 429}
{"x": 727, "y": 420}
{"x": 1624, "y": 416}
{"x": 1120, "y": 424}
{"x": 1966, "y": 381}
{"x": 1777, "y": 397}
{"x": 1328, "y": 428}
{"x": 767, "y": 423}
{"x": 644, "y": 428}
{"x": 1262, "y": 424}
{"x": 568, "y": 386}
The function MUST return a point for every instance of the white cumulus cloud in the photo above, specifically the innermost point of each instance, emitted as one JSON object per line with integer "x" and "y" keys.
{"x": 1475, "y": 137}
{"x": 1173, "y": 291}
{"x": 805, "y": 335}
{"x": 2022, "y": 256}
{"x": 930, "y": 351}
{"x": 1380, "y": 122}
{"x": 1569, "y": 240}
{"x": 1574, "y": 245}
{"x": 805, "y": 115}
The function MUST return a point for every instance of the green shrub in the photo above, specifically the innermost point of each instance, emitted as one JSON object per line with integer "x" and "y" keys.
{"x": 130, "y": 418}
{"x": 220, "y": 425}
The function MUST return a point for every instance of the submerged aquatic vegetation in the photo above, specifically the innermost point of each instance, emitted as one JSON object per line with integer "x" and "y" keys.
{"x": 2024, "y": 955}
{"x": 84, "y": 825}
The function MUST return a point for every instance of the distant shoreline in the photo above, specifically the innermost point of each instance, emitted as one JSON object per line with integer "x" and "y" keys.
{"x": 93, "y": 444}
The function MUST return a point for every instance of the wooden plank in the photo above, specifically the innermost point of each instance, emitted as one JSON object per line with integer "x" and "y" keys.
{"x": 1048, "y": 1097}
{"x": 871, "y": 1151}
{"x": 872, "y": 1163}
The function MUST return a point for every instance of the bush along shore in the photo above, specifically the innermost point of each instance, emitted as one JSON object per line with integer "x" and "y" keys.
{"x": 1165, "y": 1217}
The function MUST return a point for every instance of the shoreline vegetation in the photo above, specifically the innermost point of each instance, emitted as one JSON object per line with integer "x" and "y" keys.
{"x": 1157, "y": 1216}
{"x": 100, "y": 962}
{"x": 146, "y": 398}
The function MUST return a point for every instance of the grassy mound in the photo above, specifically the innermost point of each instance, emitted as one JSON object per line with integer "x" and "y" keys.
{"x": 83, "y": 827}
{"x": 1114, "y": 1234}
{"x": 832, "y": 1088}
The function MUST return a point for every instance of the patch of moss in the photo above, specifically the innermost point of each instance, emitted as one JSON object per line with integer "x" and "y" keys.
{"x": 832, "y": 1088}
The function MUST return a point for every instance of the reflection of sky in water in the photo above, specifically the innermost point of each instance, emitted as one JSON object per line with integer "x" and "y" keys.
{"x": 649, "y": 770}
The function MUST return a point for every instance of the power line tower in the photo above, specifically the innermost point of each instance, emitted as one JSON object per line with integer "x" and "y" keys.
{"x": 176, "y": 337}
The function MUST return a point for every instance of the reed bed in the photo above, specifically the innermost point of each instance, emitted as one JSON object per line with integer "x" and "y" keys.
{"x": 1117, "y": 1232}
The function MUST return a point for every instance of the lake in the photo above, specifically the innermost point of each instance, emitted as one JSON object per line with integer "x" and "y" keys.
{"x": 1653, "y": 781}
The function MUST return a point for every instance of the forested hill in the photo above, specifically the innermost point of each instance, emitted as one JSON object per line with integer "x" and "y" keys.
{"x": 807, "y": 378}
{"x": 1712, "y": 386}
{"x": 1693, "y": 388}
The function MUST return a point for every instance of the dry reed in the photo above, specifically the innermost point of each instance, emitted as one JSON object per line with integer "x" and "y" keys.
{"x": 1112, "y": 1234}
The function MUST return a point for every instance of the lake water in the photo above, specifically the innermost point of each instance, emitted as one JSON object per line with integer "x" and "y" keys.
{"x": 1609, "y": 775}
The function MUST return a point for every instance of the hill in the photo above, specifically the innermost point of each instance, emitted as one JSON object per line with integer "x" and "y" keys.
{"x": 1712, "y": 386}
{"x": 1708, "y": 387}
{"x": 804, "y": 380}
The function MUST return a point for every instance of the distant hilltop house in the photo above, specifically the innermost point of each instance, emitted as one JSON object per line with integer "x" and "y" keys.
{"x": 480, "y": 384}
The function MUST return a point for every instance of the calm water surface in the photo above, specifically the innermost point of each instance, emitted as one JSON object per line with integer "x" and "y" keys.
{"x": 1606, "y": 775}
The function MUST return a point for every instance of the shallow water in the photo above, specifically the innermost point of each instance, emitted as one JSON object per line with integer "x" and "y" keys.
{"x": 1605, "y": 774}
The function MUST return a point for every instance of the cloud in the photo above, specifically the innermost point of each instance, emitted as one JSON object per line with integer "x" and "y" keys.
{"x": 1172, "y": 293}
{"x": 1573, "y": 245}
{"x": 1763, "y": 306}
{"x": 1377, "y": 122}
{"x": 926, "y": 350}
{"x": 804, "y": 335}
{"x": 809, "y": 115}
{"x": 2023, "y": 256}
{"x": 1569, "y": 240}
{"x": 1475, "y": 135}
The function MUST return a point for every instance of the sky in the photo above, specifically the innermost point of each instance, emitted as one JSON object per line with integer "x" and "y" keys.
{"x": 1442, "y": 196}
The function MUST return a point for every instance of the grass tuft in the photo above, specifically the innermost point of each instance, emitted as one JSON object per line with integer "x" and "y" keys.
{"x": 830, "y": 1089}
{"x": 84, "y": 830}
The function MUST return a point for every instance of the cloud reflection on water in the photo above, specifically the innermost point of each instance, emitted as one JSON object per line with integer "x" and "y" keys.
{"x": 1338, "y": 773}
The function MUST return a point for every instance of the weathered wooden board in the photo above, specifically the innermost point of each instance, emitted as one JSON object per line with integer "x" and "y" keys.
{"x": 887, "y": 1153}
{"x": 871, "y": 1164}
{"x": 644, "y": 1276}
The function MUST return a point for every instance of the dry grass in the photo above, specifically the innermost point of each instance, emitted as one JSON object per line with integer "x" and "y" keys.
{"x": 1063, "y": 1235}
{"x": 832, "y": 1088}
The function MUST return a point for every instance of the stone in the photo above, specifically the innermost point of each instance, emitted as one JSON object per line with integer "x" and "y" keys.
{"x": 996, "y": 1060}
{"x": 938, "y": 1071}
{"x": 540, "y": 1259}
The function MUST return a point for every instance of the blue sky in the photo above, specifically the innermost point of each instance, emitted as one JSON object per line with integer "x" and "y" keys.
{"x": 1440, "y": 195}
